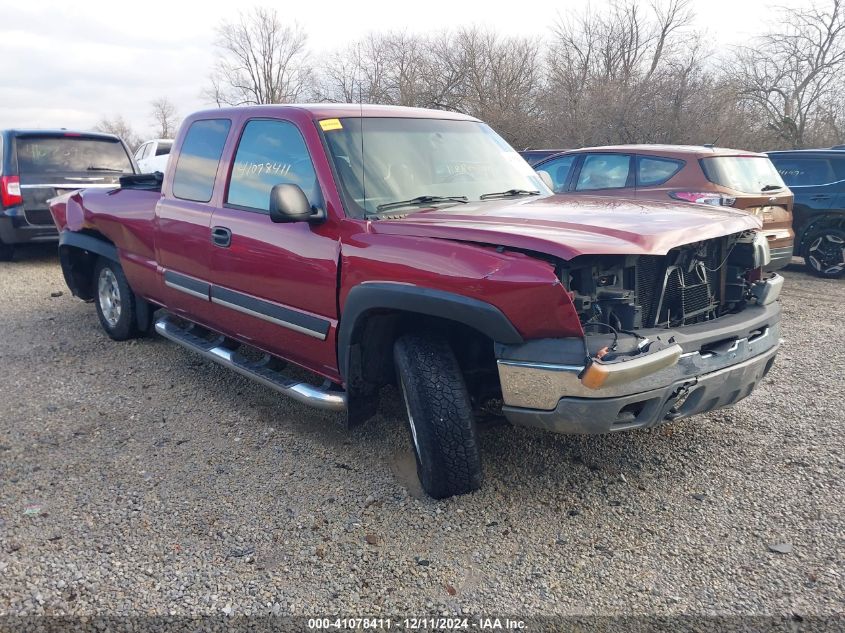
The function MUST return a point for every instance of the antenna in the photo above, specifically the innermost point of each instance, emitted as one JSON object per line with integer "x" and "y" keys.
{"x": 361, "y": 111}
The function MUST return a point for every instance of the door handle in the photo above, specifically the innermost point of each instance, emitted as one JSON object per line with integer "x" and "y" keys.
{"x": 821, "y": 196}
{"x": 221, "y": 236}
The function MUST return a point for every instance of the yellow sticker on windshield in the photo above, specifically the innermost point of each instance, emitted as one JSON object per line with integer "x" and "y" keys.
{"x": 328, "y": 125}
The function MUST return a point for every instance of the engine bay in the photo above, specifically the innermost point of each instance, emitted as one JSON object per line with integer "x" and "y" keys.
{"x": 690, "y": 284}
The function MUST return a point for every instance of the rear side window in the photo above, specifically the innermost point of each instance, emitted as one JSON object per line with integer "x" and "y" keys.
{"x": 270, "y": 153}
{"x": 604, "y": 171}
{"x": 56, "y": 155}
{"x": 652, "y": 171}
{"x": 558, "y": 169}
{"x": 803, "y": 172}
{"x": 747, "y": 174}
{"x": 196, "y": 167}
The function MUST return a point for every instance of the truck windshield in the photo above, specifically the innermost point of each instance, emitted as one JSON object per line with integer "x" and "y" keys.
{"x": 748, "y": 174}
{"x": 51, "y": 155}
{"x": 403, "y": 159}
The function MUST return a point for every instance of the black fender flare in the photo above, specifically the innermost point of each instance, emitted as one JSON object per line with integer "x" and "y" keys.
{"x": 480, "y": 315}
{"x": 99, "y": 246}
{"x": 90, "y": 243}
{"x": 76, "y": 254}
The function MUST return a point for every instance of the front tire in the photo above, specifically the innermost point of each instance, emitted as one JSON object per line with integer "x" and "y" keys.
{"x": 115, "y": 301}
{"x": 824, "y": 253}
{"x": 440, "y": 419}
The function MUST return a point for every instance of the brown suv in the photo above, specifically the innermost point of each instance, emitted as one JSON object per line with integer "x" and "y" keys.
{"x": 697, "y": 174}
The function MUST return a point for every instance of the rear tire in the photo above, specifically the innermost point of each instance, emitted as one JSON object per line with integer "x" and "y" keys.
{"x": 440, "y": 420}
{"x": 824, "y": 251}
{"x": 115, "y": 301}
{"x": 7, "y": 251}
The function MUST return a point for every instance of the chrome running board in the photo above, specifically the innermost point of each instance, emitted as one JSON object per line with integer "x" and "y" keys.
{"x": 224, "y": 351}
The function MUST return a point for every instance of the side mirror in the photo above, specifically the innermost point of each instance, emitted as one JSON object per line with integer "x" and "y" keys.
{"x": 546, "y": 177}
{"x": 288, "y": 203}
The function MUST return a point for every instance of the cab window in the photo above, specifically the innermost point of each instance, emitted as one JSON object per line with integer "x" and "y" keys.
{"x": 270, "y": 153}
{"x": 198, "y": 159}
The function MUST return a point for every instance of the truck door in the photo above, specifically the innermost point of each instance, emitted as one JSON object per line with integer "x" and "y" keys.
{"x": 274, "y": 285}
{"x": 183, "y": 219}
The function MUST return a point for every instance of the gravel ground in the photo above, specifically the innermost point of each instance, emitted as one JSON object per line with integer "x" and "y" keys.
{"x": 139, "y": 479}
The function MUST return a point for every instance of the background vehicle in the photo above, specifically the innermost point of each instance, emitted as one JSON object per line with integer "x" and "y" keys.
{"x": 702, "y": 174}
{"x": 431, "y": 256}
{"x": 817, "y": 179}
{"x": 534, "y": 156}
{"x": 152, "y": 156}
{"x": 37, "y": 165}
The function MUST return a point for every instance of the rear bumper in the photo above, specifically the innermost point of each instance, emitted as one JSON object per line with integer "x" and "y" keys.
{"x": 781, "y": 257}
{"x": 781, "y": 244}
{"x": 721, "y": 364}
{"x": 14, "y": 229}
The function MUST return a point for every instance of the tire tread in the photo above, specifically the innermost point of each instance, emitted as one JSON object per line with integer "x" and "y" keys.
{"x": 436, "y": 390}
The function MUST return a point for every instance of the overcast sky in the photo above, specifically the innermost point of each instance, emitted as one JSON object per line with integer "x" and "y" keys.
{"x": 69, "y": 64}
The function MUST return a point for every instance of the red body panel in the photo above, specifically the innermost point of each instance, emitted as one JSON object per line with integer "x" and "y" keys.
{"x": 519, "y": 285}
{"x": 310, "y": 268}
{"x": 294, "y": 265}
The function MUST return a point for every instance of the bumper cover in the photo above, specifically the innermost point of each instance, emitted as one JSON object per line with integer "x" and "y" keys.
{"x": 781, "y": 257}
{"x": 710, "y": 374}
{"x": 14, "y": 229}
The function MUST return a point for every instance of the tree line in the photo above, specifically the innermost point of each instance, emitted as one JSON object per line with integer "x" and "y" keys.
{"x": 633, "y": 72}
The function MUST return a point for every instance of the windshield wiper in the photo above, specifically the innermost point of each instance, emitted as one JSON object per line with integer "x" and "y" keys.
{"x": 771, "y": 187}
{"x": 96, "y": 168}
{"x": 509, "y": 193}
{"x": 421, "y": 200}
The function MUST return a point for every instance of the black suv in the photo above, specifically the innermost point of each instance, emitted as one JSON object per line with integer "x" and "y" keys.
{"x": 817, "y": 178}
{"x": 36, "y": 165}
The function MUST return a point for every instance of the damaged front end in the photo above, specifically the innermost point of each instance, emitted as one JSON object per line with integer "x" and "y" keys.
{"x": 665, "y": 336}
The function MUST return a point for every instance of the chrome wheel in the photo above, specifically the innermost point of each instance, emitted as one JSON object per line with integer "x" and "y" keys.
{"x": 826, "y": 254}
{"x": 410, "y": 418}
{"x": 108, "y": 295}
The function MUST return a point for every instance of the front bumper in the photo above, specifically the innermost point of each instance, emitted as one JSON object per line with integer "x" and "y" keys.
{"x": 722, "y": 362}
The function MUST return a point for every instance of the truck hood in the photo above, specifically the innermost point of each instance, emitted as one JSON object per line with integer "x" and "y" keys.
{"x": 567, "y": 226}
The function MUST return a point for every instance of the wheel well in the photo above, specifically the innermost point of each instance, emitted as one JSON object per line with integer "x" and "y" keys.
{"x": 78, "y": 265}
{"x": 371, "y": 351}
{"x": 813, "y": 223}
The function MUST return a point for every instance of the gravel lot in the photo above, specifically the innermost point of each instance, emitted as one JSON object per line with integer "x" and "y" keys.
{"x": 139, "y": 479}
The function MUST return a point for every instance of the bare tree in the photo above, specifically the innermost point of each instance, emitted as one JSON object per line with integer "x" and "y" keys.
{"x": 793, "y": 75}
{"x": 394, "y": 68}
{"x": 627, "y": 71}
{"x": 119, "y": 127}
{"x": 472, "y": 70}
{"x": 165, "y": 119}
{"x": 624, "y": 74}
{"x": 500, "y": 79}
{"x": 260, "y": 60}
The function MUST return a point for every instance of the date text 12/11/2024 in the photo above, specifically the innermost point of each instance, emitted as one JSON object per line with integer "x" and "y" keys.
{"x": 416, "y": 624}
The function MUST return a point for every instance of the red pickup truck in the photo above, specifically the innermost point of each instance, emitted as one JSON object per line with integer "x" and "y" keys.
{"x": 374, "y": 245}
